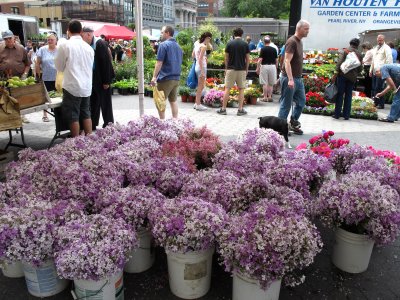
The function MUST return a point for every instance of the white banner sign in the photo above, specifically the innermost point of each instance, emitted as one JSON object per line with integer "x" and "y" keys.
{"x": 335, "y": 22}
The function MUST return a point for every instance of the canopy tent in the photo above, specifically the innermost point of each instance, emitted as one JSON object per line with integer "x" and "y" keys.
{"x": 115, "y": 32}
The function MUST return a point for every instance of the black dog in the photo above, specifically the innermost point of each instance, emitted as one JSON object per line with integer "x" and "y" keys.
{"x": 277, "y": 124}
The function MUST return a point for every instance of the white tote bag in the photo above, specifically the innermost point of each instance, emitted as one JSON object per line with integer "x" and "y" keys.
{"x": 350, "y": 63}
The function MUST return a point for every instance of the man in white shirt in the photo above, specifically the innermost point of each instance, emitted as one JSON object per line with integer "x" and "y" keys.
{"x": 75, "y": 58}
{"x": 382, "y": 55}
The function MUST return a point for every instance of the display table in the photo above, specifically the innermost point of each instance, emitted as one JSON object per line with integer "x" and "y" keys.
{"x": 54, "y": 109}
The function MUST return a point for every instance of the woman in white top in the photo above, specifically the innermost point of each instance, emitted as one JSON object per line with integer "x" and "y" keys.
{"x": 367, "y": 60}
{"x": 45, "y": 65}
{"x": 199, "y": 53}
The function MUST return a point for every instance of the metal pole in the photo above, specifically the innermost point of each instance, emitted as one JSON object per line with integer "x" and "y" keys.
{"x": 139, "y": 54}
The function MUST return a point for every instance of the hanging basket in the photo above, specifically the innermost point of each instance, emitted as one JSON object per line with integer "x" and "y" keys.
{"x": 351, "y": 252}
{"x": 190, "y": 273}
{"x": 142, "y": 258}
{"x": 247, "y": 288}
{"x": 43, "y": 281}
{"x": 111, "y": 288}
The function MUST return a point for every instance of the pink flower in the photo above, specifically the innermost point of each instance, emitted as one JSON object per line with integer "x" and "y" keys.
{"x": 302, "y": 146}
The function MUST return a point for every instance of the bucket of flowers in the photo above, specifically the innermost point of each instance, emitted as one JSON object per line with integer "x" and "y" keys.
{"x": 187, "y": 227}
{"x": 363, "y": 211}
{"x": 266, "y": 245}
{"x": 233, "y": 97}
{"x": 92, "y": 251}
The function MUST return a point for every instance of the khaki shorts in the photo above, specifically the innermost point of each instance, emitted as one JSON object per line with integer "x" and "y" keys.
{"x": 268, "y": 74}
{"x": 170, "y": 89}
{"x": 233, "y": 76}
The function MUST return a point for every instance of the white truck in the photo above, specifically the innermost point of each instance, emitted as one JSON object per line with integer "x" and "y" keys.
{"x": 335, "y": 22}
{"x": 23, "y": 26}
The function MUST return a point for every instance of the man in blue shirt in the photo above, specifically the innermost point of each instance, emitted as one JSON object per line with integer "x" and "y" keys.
{"x": 167, "y": 71}
{"x": 390, "y": 73}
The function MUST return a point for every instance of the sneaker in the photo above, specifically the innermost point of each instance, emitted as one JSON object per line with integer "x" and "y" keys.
{"x": 221, "y": 111}
{"x": 294, "y": 123}
{"x": 200, "y": 107}
{"x": 297, "y": 131}
{"x": 241, "y": 112}
{"x": 385, "y": 120}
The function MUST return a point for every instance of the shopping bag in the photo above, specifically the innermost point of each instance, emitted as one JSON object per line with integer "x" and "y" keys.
{"x": 192, "y": 77}
{"x": 59, "y": 81}
{"x": 350, "y": 63}
{"x": 159, "y": 99}
{"x": 330, "y": 93}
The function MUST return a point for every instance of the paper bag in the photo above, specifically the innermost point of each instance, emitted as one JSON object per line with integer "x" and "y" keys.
{"x": 159, "y": 99}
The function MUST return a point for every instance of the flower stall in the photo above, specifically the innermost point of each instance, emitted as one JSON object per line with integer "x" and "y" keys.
{"x": 89, "y": 208}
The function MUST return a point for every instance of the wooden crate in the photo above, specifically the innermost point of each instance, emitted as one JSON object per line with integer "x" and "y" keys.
{"x": 30, "y": 95}
{"x": 10, "y": 117}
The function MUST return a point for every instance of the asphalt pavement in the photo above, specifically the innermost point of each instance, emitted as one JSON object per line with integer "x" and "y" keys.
{"x": 323, "y": 279}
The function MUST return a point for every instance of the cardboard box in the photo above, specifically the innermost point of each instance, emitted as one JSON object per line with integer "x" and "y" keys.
{"x": 30, "y": 95}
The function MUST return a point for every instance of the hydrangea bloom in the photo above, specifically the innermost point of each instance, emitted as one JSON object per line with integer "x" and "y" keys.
{"x": 267, "y": 243}
{"x": 93, "y": 247}
{"x": 359, "y": 203}
{"x": 186, "y": 224}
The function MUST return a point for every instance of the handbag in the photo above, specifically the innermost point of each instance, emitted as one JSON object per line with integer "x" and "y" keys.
{"x": 350, "y": 63}
{"x": 330, "y": 93}
{"x": 192, "y": 81}
{"x": 159, "y": 99}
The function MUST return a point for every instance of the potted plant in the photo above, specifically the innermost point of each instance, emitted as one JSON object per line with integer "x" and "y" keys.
{"x": 363, "y": 211}
{"x": 184, "y": 92}
{"x": 192, "y": 96}
{"x": 187, "y": 227}
{"x": 132, "y": 204}
{"x": 213, "y": 98}
{"x": 92, "y": 251}
{"x": 252, "y": 94}
{"x": 264, "y": 246}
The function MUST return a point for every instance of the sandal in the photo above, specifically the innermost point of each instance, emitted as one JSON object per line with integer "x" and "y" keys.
{"x": 45, "y": 119}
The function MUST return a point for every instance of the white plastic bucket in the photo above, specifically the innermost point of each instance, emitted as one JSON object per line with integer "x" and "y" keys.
{"x": 13, "y": 270}
{"x": 43, "y": 281}
{"x": 245, "y": 288}
{"x": 351, "y": 252}
{"x": 142, "y": 258}
{"x": 190, "y": 273}
{"x": 103, "y": 289}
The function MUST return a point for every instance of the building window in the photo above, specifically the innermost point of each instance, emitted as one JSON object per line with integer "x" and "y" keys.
{"x": 15, "y": 10}
{"x": 48, "y": 22}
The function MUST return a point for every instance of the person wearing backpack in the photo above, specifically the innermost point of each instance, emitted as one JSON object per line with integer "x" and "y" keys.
{"x": 345, "y": 81}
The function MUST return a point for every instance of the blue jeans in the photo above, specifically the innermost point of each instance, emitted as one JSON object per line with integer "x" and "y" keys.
{"x": 345, "y": 88}
{"x": 394, "y": 113}
{"x": 377, "y": 85}
{"x": 288, "y": 95}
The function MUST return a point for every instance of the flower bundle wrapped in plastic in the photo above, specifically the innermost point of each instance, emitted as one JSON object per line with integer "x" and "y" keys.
{"x": 213, "y": 97}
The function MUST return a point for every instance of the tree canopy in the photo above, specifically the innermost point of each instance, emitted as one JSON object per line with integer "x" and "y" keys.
{"x": 278, "y": 9}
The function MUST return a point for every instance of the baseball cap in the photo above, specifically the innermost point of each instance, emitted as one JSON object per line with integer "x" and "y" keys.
{"x": 7, "y": 34}
{"x": 87, "y": 29}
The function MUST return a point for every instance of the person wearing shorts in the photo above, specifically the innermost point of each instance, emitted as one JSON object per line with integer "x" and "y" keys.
{"x": 266, "y": 68}
{"x": 75, "y": 58}
{"x": 167, "y": 71}
{"x": 237, "y": 59}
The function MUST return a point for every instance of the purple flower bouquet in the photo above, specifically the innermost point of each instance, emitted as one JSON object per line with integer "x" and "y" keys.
{"x": 268, "y": 243}
{"x": 186, "y": 224}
